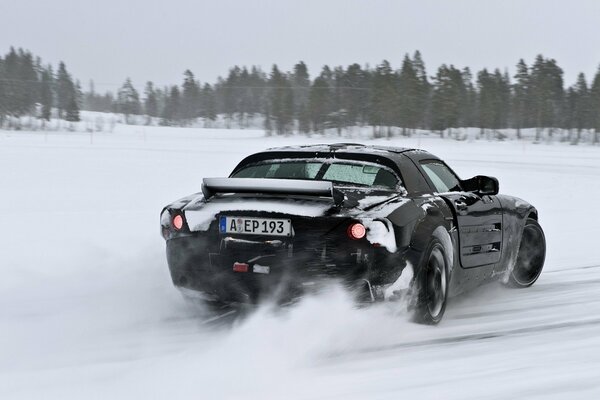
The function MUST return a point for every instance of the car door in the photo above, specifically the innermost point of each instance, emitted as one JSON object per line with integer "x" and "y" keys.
{"x": 479, "y": 217}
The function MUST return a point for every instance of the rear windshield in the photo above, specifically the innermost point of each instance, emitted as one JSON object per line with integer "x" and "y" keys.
{"x": 340, "y": 172}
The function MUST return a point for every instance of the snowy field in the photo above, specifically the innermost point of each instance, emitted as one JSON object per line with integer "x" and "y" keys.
{"x": 87, "y": 309}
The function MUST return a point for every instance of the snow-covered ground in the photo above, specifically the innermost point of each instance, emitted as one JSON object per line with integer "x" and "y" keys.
{"x": 87, "y": 309}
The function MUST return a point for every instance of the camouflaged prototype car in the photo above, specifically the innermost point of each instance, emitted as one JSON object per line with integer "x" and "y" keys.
{"x": 385, "y": 222}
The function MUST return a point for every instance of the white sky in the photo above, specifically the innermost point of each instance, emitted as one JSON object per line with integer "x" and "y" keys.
{"x": 108, "y": 40}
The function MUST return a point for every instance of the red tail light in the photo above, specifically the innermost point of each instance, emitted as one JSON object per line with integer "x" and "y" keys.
{"x": 178, "y": 221}
{"x": 240, "y": 267}
{"x": 356, "y": 231}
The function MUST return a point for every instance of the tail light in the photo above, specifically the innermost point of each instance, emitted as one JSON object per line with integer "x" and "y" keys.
{"x": 177, "y": 222}
{"x": 356, "y": 231}
{"x": 240, "y": 267}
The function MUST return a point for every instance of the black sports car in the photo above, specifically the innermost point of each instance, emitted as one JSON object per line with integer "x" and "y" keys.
{"x": 386, "y": 222}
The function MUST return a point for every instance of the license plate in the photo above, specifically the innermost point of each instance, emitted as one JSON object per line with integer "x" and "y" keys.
{"x": 255, "y": 226}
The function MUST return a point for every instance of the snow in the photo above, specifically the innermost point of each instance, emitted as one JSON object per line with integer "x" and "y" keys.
{"x": 370, "y": 200}
{"x": 402, "y": 284}
{"x": 381, "y": 232}
{"x": 199, "y": 220}
{"x": 87, "y": 309}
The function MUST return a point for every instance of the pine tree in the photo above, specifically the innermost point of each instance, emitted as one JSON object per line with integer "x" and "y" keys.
{"x": 288, "y": 110}
{"x": 469, "y": 104}
{"x": 72, "y": 110}
{"x": 46, "y": 96}
{"x": 209, "y": 106}
{"x": 318, "y": 103}
{"x": 547, "y": 94}
{"x": 65, "y": 90}
{"x": 447, "y": 98}
{"x": 258, "y": 82}
{"x": 3, "y": 94}
{"x": 281, "y": 101}
{"x": 300, "y": 82}
{"x": 569, "y": 112}
{"x": 409, "y": 104}
{"x": 78, "y": 94}
{"x": 460, "y": 97}
{"x": 521, "y": 97}
{"x": 128, "y": 100}
{"x": 29, "y": 85}
{"x": 244, "y": 98}
{"x": 267, "y": 123}
{"x": 494, "y": 99}
{"x": 327, "y": 74}
{"x": 356, "y": 96}
{"x": 383, "y": 103}
{"x": 230, "y": 94}
{"x": 190, "y": 98}
{"x": 595, "y": 106}
{"x": 338, "y": 116}
{"x": 582, "y": 109}
{"x": 503, "y": 97}
{"x": 303, "y": 119}
{"x": 151, "y": 101}
{"x": 12, "y": 84}
{"x": 172, "y": 112}
{"x": 424, "y": 94}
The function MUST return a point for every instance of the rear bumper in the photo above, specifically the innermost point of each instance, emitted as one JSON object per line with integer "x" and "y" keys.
{"x": 282, "y": 273}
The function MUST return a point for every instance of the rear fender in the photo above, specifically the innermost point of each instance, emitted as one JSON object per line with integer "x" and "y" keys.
{"x": 431, "y": 217}
{"x": 435, "y": 213}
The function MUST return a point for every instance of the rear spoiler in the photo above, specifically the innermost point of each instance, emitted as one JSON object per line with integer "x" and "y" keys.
{"x": 212, "y": 186}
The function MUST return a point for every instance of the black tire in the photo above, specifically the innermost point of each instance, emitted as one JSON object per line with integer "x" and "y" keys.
{"x": 531, "y": 256}
{"x": 432, "y": 280}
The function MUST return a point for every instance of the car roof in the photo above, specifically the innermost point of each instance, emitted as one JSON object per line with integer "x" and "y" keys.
{"x": 344, "y": 147}
{"x": 399, "y": 159}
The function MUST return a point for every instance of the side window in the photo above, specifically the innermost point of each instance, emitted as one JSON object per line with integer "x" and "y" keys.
{"x": 441, "y": 176}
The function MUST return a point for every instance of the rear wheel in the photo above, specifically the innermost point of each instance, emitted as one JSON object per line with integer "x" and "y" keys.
{"x": 432, "y": 285}
{"x": 531, "y": 256}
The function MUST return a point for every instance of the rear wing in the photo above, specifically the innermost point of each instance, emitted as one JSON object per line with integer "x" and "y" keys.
{"x": 299, "y": 187}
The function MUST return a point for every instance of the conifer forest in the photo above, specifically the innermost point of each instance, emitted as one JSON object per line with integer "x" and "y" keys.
{"x": 388, "y": 98}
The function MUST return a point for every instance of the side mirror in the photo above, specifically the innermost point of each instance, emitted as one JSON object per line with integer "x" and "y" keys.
{"x": 482, "y": 185}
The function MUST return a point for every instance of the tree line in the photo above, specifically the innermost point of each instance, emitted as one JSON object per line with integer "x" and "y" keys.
{"x": 384, "y": 97}
{"x": 27, "y": 87}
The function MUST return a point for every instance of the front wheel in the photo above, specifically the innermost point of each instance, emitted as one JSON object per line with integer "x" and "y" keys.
{"x": 432, "y": 282}
{"x": 531, "y": 256}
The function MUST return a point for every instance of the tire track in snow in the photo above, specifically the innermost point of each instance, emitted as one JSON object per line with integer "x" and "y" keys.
{"x": 554, "y": 271}
{"x": 473, "y": 337}
{"x": 543, "y": 287}
{"x": 500, "y": 333}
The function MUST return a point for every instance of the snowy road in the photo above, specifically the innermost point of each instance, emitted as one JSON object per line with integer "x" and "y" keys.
{"x": 87, "y": 309}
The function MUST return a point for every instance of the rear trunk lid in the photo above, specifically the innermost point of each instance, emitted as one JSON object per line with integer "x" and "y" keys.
{"x": 278, "y": 198}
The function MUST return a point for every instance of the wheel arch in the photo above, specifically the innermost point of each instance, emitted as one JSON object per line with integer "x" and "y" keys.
{"x": 437, "y": 222}
{"x": 414, "y": 225}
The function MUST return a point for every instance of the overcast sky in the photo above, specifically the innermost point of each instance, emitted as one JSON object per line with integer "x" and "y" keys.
{"x": 108, "y": 40}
